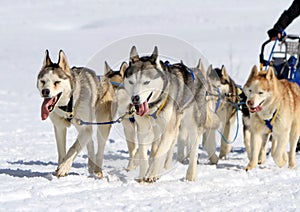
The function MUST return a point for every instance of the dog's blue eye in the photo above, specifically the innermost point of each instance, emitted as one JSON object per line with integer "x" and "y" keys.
{"x": 146, "y": 83}
{"x": 130, "y": 82}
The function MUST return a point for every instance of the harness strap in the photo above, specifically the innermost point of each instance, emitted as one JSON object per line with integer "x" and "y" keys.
{"x": 119, "y": 120}
{"x": 157, "y": 112}
{"x": 236, "y": 132}
{"x": 192, "y": 73}
{"x": 117, "y": 84}
{"x": 218, "y": 103}
{"x": 269, "y": 123}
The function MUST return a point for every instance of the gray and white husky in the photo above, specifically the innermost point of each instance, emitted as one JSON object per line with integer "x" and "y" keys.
{"x": 165, "y": 96}
{"x": 72, "y": 94}
{"x": 226, "y": 97}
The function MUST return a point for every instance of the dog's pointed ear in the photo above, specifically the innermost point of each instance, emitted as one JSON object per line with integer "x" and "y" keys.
{"x": 63, "y": 62}
{"x": 270, "y": 74}
{"x": 134, "y": 57}
{"x": 199, "y": 64}
{"x": 107, "y": 69}
{"x": 209, "y": 70}
{"x": 154, "y": 54}
{"x": 47, "y": 60}
{"x": 155, "y": 58}
{"x": 224, "y": 73}
{"x": 123, "y": 68}
{"x": 200, "y": 67}
{"x": 254, "y": 72}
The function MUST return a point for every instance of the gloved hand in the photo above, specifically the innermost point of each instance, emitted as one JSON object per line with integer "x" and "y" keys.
{"x": 273, "y": 33}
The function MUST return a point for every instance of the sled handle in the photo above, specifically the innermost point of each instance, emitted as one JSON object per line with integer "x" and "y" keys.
{"x": 293, "y": 37}
{"x": 261, "y": 56}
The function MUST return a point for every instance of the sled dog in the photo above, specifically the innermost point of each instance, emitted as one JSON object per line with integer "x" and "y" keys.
{"x": 165, "y": 96}
{"x": 72, "y": 94}
{"x": 183, "y": 146}
{"x": 226, "y": 98}
{"x": 273, "y": 105}
{"x": 124, "y": 104}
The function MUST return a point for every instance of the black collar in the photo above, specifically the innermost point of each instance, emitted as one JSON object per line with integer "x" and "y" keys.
{"x": 68, "y": 108}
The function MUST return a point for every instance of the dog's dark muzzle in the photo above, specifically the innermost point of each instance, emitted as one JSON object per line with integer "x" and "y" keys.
{"x": 45, "y": 92}
{"x": 135, "y": 100}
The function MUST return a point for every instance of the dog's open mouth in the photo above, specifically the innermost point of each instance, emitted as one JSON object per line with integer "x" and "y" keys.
{"x": 143, "y": 109}
{"x": 48, "y": 105}
{"x": 257, "y": 108}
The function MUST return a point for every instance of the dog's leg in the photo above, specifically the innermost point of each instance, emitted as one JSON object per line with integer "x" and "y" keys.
{"x": 255, "y": 144}
{"x": 102, "y": 135}
{"x": 191, "y": 174}
{"x": 294, "y": 136}
{"x": 60, "y": 135}
{"x": 209, "y": 145}
{"x": 157, "y": 162}
{"x": 84, "y": 136}
{"x": 145, "y": 137}
{"x": 182, "y": 144}
{"x": 274, "y": 146}
{"x": 226, "y": 147}
{"x": 129, "y": 131}
{"x": 103, "y": 113}
{"x": 91, "y": 157}
{"x": 247, "y": 136}
{"x": 280, "y": 156}
{"x": 263, "y": 149}
{"x": 143, "y": 160}
{"x": 171, "y": 150}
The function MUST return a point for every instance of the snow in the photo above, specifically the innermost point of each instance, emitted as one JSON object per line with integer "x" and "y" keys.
{"x": 226, "y": 32}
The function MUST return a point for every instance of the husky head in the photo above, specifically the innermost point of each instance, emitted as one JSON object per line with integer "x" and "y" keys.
{"x": 219, "y": 79}
{"x": 116, "y": 77}
{"x": 144, "y": 80}
{"x": 259, "y": 89}
{"x": 54, "y": 83}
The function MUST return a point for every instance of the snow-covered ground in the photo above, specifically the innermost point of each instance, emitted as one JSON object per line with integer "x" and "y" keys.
{"x": 226, "y": 32}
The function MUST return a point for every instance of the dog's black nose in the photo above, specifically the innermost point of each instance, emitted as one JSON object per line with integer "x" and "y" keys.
{"x": 45, "y": 92}
{"x": 135, "y": 99}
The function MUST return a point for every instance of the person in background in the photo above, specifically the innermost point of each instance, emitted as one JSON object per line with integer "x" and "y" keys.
{"x": 282, "y": 23}
{"x": 285, "y": 19}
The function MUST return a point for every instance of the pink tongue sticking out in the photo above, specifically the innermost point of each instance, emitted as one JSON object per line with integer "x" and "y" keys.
{"x": 45, "y": 108}
{"x": 143, "y": 109}
{"x": 256, "y": 109}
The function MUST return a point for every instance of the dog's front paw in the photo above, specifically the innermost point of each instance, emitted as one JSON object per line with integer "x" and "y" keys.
{"x": 63, "y": 169}
{"x": 131, "y": 165}
{"x": 99, "y": 174}
{"x": 213, "y": 160}
{"x": 151, "y": 179}
{"x": 249, "y": 167}
{"x": 191, "y": 175}
{"x": 280, "y": 159}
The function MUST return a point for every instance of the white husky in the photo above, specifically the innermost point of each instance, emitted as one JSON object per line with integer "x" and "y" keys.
{"x": 70, "y": 94}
